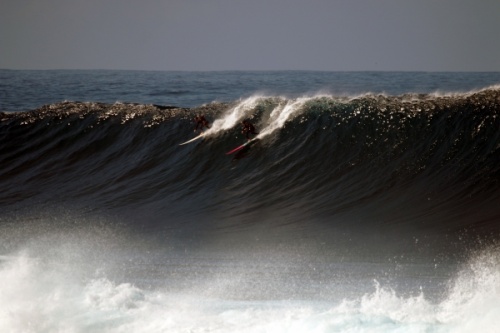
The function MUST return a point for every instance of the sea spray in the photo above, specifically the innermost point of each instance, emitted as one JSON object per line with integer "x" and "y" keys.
{"x": 43, "y": 297}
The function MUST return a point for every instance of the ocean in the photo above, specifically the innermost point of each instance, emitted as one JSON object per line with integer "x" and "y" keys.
{"x": 369, "y": 203}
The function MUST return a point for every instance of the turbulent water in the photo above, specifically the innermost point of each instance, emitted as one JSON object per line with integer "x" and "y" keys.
{"x": 352, "y": 212}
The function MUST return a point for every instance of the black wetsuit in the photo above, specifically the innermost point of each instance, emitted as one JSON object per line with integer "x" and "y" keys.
{"x": 200, "y": 122}
{"x": 248, "y": 129}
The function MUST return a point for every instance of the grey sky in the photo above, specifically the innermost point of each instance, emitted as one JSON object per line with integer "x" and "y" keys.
{"x": 344, "y": 35}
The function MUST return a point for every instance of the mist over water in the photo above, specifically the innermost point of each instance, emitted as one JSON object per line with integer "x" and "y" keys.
{"x": 70, "y": 285}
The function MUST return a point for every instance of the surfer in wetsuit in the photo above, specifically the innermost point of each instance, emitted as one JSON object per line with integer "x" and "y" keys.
{"x": 201, "y": 122}
{"x": 248, "y": 129}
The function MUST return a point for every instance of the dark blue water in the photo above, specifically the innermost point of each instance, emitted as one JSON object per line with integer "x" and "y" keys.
{"x": 369, "y": 202}
{"x": 27, "y": 90}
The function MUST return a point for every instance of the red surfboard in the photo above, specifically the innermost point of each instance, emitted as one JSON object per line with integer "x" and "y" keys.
{"x": 241, "y": 147}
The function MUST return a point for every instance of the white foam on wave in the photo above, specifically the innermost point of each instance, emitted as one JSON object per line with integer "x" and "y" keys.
{"x": 234, "y": 115}
{"x": 462, "y": 93}
{"x": 37, "y": 295}
{"x": 281, "y": 114}
{"x": 286, "y": 110}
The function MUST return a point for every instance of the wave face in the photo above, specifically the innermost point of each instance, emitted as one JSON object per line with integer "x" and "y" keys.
{"x": 424, "y": 161}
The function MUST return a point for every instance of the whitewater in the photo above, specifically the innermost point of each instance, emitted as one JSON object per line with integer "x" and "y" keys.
{"x": 369, "y": 202}
{"x": 45, "y": 297}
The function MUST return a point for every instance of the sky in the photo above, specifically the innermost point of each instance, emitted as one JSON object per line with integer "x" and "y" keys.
{"x": 193, "y": 35}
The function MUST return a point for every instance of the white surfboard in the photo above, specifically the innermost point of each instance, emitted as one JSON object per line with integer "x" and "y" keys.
{"x": 194, "y": 139}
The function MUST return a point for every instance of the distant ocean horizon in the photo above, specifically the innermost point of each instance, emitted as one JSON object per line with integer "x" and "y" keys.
{"x": 367, "y": 203}
{"x": 22, "y": 90}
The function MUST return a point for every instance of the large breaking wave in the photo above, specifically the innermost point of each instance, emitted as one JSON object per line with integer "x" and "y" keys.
{"x": 347, "y": 214}
{"x": 424, "y": 160}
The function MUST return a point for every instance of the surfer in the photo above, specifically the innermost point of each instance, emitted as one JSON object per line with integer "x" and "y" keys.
{"x": 201, "y": 122}
{"x": 248, "y": 129}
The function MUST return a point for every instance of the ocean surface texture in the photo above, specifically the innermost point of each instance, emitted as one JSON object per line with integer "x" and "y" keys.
{"x": 370, "y": 202}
